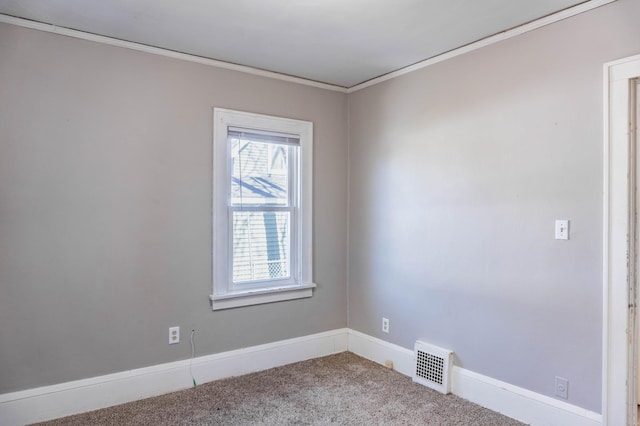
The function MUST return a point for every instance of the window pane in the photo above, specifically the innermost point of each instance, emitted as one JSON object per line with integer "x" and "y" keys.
{"x": 260, "y": 246}
{"x": 260, "y": 172}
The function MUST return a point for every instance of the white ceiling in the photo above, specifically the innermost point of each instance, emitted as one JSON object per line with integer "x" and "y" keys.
{"x": 340, "y": 42}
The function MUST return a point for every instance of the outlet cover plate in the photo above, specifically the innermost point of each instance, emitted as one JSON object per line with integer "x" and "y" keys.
{"x": 562, "y": 387}
{"x": 174, "y": 335}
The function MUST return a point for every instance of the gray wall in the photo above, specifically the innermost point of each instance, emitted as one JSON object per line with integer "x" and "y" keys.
{"x": 457, "y": 173}
{"x": 105, "y": 209}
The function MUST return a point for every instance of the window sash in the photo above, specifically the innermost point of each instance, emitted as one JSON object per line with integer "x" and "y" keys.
{"x": 293, "y": 177}
{"x": 292, "y": 257}
{"x": 293, "y": 184}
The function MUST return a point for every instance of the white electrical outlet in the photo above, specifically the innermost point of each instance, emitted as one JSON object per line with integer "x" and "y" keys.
{"x": 385, "y": 325}
{"x": 174, "y": 335}
{"x": 562, "y": 387}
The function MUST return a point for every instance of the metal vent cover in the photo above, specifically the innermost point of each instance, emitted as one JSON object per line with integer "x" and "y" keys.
{"x": 432, "y": 366}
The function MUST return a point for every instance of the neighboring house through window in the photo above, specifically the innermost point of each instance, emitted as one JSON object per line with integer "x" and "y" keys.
{"x": 262, "y": 169}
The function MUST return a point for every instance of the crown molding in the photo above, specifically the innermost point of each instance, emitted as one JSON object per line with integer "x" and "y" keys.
{"x": 513, "y": 32}
{"x": 165, "y": 52}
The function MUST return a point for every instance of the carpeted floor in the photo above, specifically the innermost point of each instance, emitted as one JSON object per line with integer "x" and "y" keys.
{"x": 341, "y": 389}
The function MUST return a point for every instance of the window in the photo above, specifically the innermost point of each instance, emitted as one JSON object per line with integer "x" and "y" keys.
{"x": 262, "y": 169}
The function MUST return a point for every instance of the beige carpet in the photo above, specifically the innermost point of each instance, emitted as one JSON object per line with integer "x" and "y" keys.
{"x": 341, "y": 389}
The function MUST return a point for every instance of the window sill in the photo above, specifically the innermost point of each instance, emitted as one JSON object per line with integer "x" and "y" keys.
{"x": 259, "y": 296}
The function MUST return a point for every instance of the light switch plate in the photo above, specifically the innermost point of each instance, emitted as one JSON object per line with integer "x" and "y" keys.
{"x": 562, "y": 229}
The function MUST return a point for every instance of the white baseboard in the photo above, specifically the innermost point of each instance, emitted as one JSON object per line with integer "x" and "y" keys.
{"x": 518, "y": 403}
{"x": 521, "y": 404}
{"x": 380, "y": 351}
{"x": 49, "y": 402}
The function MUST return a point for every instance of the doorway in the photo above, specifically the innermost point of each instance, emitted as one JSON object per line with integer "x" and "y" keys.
{"x": 620, "y": 340}
{"x": 634, "y": 121}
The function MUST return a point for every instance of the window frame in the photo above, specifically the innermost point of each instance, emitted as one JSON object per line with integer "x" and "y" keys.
{"x": 225, "y": 294}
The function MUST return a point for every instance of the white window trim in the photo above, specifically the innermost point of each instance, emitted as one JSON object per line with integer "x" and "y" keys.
{"x": 223, "y": 296}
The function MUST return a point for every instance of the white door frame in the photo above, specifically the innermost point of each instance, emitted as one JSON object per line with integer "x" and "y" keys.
{"x": 619, "y": 359}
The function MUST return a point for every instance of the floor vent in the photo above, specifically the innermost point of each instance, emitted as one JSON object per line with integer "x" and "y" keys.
{"x": 432, "y": 366}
